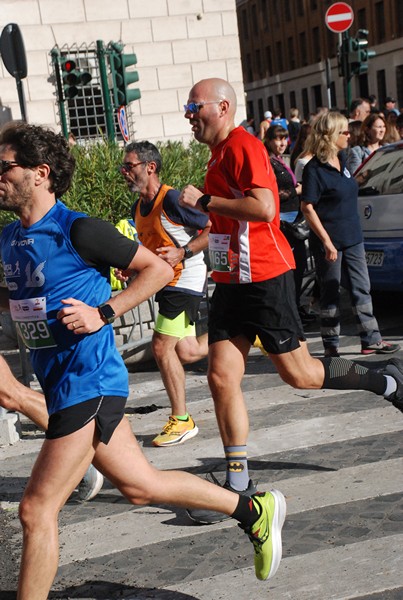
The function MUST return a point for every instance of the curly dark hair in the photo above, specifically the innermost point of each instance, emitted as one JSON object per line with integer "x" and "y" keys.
{"x": 34, "y": 145}
{"x": 147, "y": 152}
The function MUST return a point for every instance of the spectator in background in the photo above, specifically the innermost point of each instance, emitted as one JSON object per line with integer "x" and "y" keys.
{"x": 298, "y": 154}
{"x": 373, "y": 102}
{"x": 329, "y": 202}
{"x": 71, "y": 139}
{"x": 294, "y": 125}
{"x": 288, "y": 190}
{"x": 354, "y": 128}
{"x": 265, "y": 124}
{"x": 359, "y": 109}
{"x": 392, "y": 134}
{"x": 278, "y": 119}
{"x": 372, "y": 135}
{"x": 390, "y": 106}
{"x": 399, "y": 125}
{"x": 248, "y": 124}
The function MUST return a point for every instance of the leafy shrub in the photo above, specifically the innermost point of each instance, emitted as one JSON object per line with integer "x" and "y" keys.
{"x": 98, "y": 188}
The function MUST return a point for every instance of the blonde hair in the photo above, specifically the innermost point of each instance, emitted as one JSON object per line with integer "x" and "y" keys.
{"x": 325, "y": 131}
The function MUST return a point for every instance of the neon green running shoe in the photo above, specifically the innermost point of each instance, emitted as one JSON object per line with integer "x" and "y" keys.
{"x": 176, "y": 432}
{"x": 265, "y": 533}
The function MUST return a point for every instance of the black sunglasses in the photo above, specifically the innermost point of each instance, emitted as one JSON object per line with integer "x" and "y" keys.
{"x": 128, "y": 166}
{"x": 6, "y": 165}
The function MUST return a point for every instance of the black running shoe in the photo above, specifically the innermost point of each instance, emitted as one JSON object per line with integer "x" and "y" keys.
{"x": 207, "y": 517}
{"x": 394, "y": 368}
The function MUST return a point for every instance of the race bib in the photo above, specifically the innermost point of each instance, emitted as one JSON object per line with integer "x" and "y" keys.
{"x": 31, "y": 322}
{"x": 219, "y": 246}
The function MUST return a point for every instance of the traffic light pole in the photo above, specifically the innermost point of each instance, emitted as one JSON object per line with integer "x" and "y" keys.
{"x": 347, "y": 74}
{"x": 60, "y": 95}
{"x": 110, "y": 128}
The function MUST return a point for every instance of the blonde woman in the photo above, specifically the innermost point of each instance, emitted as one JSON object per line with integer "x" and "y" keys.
{"x": 329, "y": 203}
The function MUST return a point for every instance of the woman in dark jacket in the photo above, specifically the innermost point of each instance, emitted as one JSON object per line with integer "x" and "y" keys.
{"x": 329, "y": 201}
{"x": 289, "y": 190}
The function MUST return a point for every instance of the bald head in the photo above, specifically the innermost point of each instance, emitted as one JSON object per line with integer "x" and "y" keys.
{"x": 215, "y": 89}
{"x": 215, "y": 118}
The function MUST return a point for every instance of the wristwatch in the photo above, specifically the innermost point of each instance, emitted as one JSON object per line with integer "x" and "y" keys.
{"x": 188, "y": 252}
{"x": 107, "y": 313}
{"x": 204, "y": 201}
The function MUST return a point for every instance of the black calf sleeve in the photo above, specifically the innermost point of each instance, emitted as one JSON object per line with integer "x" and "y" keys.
{"x": 342, "y": 374}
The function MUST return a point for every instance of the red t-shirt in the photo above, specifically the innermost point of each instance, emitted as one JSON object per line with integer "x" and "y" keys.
{"x": 244, "y": 251}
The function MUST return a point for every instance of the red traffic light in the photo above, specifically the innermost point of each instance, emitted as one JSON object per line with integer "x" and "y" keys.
{"x": 69, "y": 66}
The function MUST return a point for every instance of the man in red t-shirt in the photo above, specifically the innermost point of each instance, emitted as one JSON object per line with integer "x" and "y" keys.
{"x": 254, "y": 296}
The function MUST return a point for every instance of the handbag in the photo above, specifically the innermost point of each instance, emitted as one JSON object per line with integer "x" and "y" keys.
{"x": 299, "y": 228}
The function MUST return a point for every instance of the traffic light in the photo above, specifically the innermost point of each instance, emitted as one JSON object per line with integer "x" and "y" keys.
{"x": 342, "y": 58}
{"x": 73, "y": 78}
{"x": 121, "y": 77}
{"x": 359, "y": 54}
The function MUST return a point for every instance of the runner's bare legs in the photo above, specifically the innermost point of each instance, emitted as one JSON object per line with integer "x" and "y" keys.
{"x": 16, "y": 397}
{"x": 59, "y": 467}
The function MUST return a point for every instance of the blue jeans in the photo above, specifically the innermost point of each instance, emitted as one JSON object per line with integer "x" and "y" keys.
{"x": 351, "y": 270}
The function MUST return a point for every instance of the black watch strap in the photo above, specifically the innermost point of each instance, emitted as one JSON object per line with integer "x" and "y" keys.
{"x": 107, "y": 313}
{"x": 188, "y": 252}
{"x": 205, "y": 201}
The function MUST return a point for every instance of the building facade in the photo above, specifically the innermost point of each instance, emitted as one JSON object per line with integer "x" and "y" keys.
{"x": 289, "y": 56}
{"x": 177, "y": 42}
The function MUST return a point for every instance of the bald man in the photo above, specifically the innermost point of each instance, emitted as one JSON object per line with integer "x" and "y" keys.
{"x": 254, "y": 295}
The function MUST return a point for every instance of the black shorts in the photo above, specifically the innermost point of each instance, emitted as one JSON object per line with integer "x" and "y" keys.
{"x": 172, "y": 304}
{"x": 107, "y": 411}
{"x": 266, "y": 309}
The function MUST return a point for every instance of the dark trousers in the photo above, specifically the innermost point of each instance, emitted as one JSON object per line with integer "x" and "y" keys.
{"x": 351, "y": 268}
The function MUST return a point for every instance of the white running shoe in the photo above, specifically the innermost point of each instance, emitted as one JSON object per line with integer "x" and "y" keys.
{"x": 90, "y": 484}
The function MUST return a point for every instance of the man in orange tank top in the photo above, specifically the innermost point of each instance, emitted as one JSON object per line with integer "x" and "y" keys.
{"x": 179, "y": 236}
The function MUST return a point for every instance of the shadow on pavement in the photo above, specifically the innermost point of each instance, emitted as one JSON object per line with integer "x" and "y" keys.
{"x": 106, "y": 590}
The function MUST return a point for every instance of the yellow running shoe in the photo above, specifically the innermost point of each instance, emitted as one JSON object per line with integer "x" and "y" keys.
{"x": 176, "y": 432}
{"x": 265, "y": 533}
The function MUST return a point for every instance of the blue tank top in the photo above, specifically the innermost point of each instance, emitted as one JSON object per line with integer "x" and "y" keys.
{"x": 41, "y": 268}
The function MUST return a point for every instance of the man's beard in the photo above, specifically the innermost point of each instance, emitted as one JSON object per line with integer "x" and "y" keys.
{"x": 17, "y": 199}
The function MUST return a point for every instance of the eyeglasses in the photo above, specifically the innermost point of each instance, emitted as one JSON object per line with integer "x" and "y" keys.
{"x": 344, "y": 133}
{"x": 194, "y": 107}
{"x": 6, "y": 165}
{"x": 128, "y": 166}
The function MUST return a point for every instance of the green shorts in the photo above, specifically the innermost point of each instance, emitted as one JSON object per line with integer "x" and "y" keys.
{"x": 179, "y": 327}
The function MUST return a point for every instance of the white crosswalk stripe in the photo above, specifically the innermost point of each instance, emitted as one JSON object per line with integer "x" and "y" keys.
{"x": 336, "y": 456}
{"x": 338, "y": 570}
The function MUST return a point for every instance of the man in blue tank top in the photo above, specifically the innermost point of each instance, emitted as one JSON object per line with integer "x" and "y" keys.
{"x": 57, "y": 264}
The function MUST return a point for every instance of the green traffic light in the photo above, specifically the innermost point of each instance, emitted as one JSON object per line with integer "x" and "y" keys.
{"x": 122, "y": 79}
{"x": 359, "y": 54}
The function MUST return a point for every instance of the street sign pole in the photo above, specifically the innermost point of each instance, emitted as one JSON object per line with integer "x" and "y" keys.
{"x": 339, "y": 18}
{"x": 12, "y": 51}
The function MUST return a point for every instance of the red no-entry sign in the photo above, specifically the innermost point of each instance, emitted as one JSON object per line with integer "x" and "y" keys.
{"x": 339, "y": 17}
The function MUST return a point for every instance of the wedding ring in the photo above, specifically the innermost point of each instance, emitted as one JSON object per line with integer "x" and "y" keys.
{"x": 74, "y": 325}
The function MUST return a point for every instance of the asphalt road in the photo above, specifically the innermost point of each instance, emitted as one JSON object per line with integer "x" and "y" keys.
{"x": 337, "y": 457}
